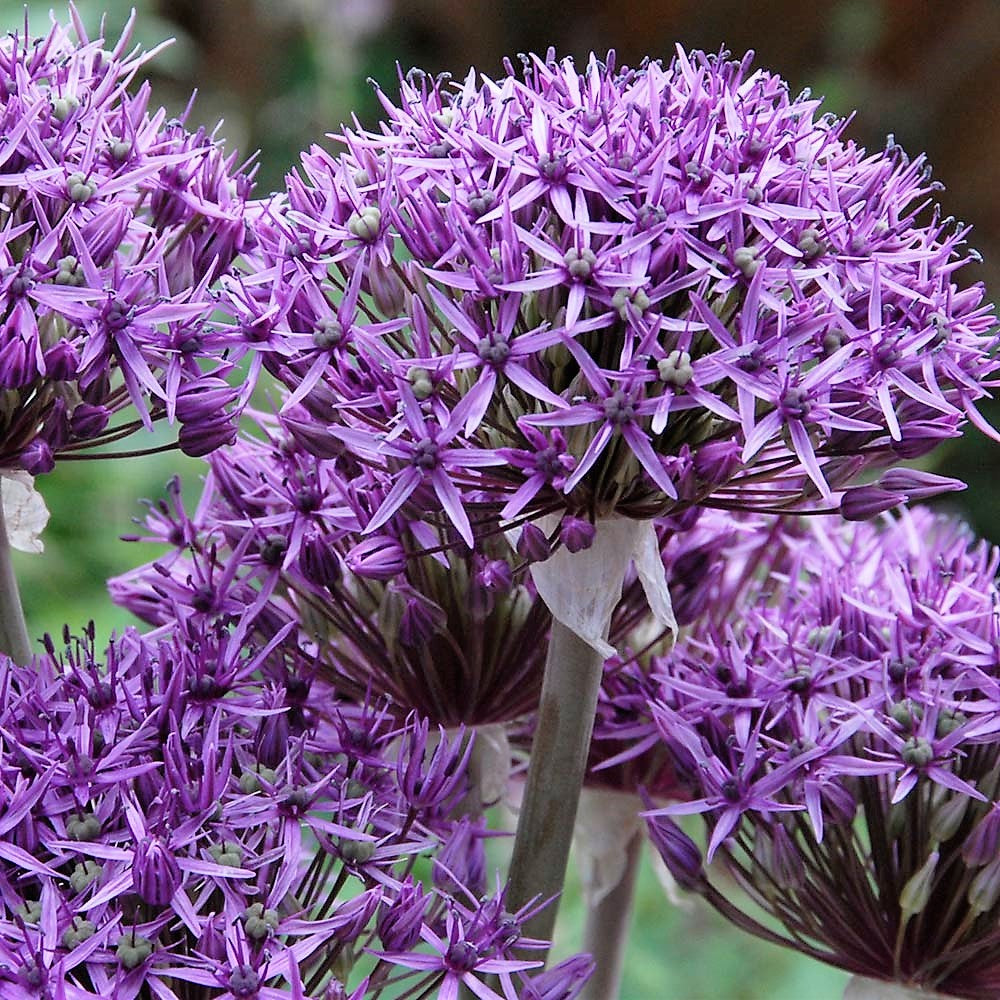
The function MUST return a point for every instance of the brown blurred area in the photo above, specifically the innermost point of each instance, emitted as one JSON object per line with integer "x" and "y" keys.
{"x": 920, "y": 69}
{"x": 923, "y": 70}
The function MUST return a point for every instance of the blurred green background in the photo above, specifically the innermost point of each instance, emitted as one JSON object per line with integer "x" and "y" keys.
{"x": 281, "y": 74}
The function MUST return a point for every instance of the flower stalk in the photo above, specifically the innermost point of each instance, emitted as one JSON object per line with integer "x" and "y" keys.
{"x": 14, "y": 639}
{"x": 605, "y": 935}
{"x": 573, "y": 671}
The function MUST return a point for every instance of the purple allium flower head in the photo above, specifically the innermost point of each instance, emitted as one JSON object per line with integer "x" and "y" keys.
{"x": 839, "y": 735}
{"x": 607, "y": 290}
{"x": 144, "y": 843}
{"x": 117, "y": 226}
{"x": 457, "y": 636}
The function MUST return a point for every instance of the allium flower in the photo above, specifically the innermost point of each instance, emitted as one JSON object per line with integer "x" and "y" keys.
{"x": 155, "y": 842}
{"x": 115, "y": 226}
{"x": 614, "y": 291}
{"x": 458, "y": 637}
{"x": 839, "y": 736}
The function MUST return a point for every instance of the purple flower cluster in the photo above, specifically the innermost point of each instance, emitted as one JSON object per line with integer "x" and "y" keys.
{"x": 458, "y": 637}
{"x": 116, "y": 223}
{"x": 584, "y": 293}
{"x": 613, "y": 291}
{"x": 839, "y": 736}
{"x": 193, "y": 816}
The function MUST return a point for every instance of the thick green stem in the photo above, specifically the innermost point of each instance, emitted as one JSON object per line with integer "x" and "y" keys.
{"x": 555, "y": 776}
{"x": 606, "y": 933}
{"x": 14, "y": 639}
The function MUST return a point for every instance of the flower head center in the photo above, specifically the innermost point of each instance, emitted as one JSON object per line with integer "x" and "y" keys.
{"x": 493, "y": 352}
{"x": 327, "y": 334}
{"x": 462, "y": 956}
{"x": 425, "y": 454}
{"x": 618, "y": 409}
{"x": 795, "y": 403}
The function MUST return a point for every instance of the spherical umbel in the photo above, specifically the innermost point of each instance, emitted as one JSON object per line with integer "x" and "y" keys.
{"x": 630, "y": 267}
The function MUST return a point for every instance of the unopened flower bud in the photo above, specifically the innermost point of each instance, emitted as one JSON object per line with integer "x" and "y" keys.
{"x": 984, "y": 889}
{"x": 576, "y": 533}
{"x": 562, "y": 981}
{"x": 533, "y": 544}
{"x": 156, "y": 875}
{"x": 717, "y": 461}
{"x": 88, "y": 421}
{"x": 421, "y": 618}
{"x": 62, "y": 361}
{"x": 462, "y": 861}
{"x": 199, "y": 439}
{"x": 387, "y": 289}
{"x": 839, "y": 805}
{"x": 399, "y": 923}
{"x": 212, "y": 940}
{"x": 343, "y": 964}
{"x": 865, "y": 502}
{"x": 679, "y": 852}
{"x": 318, "y": 562}
{"x": 379, "y": 557}
{"x": 947, "y": 818}
{"x": 918, "y": 485}
{"x": 896, "y": 821}
{"x": 983, "y": 843}
{"x": 782, "y": 859}
{"x": 917, "y": 890}
{"x": 917, "y": 441}
{"x": 37, "y": 458}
